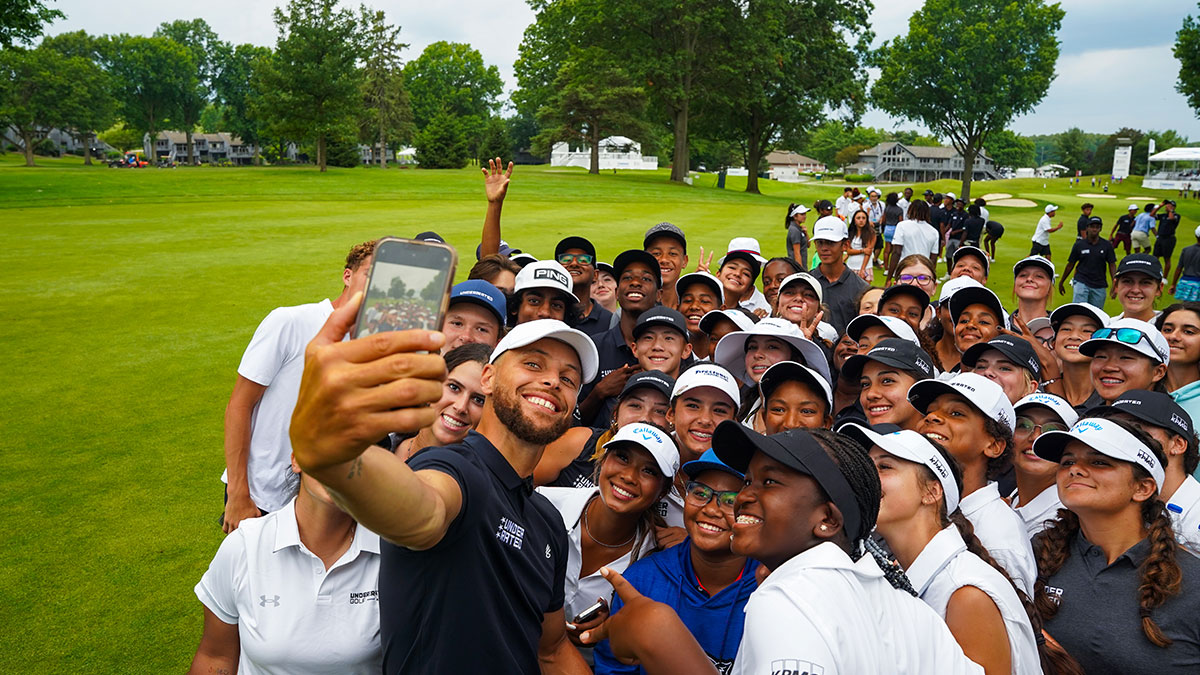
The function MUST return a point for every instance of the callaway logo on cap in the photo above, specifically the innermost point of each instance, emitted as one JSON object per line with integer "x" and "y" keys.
{"x": 1106, "y": 437}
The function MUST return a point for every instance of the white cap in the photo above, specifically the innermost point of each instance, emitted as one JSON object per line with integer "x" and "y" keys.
{"x": 737, "y": 316}
{"x": 1133, "y": 207}
{"x": 530, "y": 332}
{"x": 707, "y": 375}
{"x": 797, "y": 210}
{"x": 957, "y": 284}
{"x": 1036, "y": 261}
{"x": 545, "y": 274}
{"x": 747, "y": 244}
{"x": 1061, "y": 312}
{"x": 827, "y": 332}
{"x": 830, "y": 228}
{"x": 897, "y": 326}
{"x": 1105, "y": 437}
{"x": 1057, "y": 405}
{"x": 731, "y": 350}
{"x": 654, "y": 441}
{"x": 982, "y": 393}
{"x": 1051, "y": 207}
{"x": 1198, "y": 230}
{"x": 807, "y": 278}
{"x": 872, "y": 189}
{"x": 913, "y": 447}
{"x": 1153, "y": 344}
{"x": 950, "y": 195}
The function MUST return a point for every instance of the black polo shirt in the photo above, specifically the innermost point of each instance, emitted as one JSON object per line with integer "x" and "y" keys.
{"x": 474, "y": 603}
{"x": 1097, "y": 620}
{"x": 1081, "y": 225}
{"x": 1125, "y": 224}
{"x": 840, "y": 296}
{"x": 613, "y": 353}
{"x": 1091, "y": 261}
{"x": 596, "y": 322}
{"x": 1167, "y": 224}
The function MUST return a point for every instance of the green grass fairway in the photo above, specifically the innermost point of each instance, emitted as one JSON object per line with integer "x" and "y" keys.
{"x": 129, "y": 296}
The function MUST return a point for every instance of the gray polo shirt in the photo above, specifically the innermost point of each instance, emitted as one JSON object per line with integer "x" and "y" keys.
{"x": 840, "y": 296}
{"x": 1097, "y": 620}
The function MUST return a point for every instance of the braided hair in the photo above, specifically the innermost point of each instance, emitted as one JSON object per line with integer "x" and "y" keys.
{"x": 1159, "y": 576}
{"x": 859, "y": 471}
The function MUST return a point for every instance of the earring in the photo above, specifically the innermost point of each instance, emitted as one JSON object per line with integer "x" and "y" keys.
{"x": 824, "y": 528}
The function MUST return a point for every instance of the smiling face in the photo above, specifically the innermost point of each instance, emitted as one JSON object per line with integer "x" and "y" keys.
{"x": 1116, "y": 369}
{"x": 670, "y": 256}
{"x": 906, "y": 493}
{"x": 581, "y": 274}
{"x": 637, "y": 289}
{"x": 776, "y": 513}
{"x": 921, "y": 276}
{"x": 468, "y": 323}
{"x": 959, "y": 427}
{"x": 1072, "y": 332}
{"x": 1012, "y": 378}
{"x": 1181, "y": 328}
{"x": 695, "y": 415}
{"x": 763, "y": 352}
{"x": 844, "y": 349}
{"x": 1137, "y": 292}
{"x": 644, "y": 404}
{"x": 773, "y": 274}
{"x": 604, "y": 287}
{"x": 904, "y": 307}
{"x": 872, "y": 336}
{"x": 795, "y": 405}
{"x": 709, "y": 525}
{"x": 737, "y": 276}
{"x": 798, "y": 303}
{"x": 696, "y": 300}
{"x": 533, "y": 389}
{"x": 969, "y": 266}
{"x": 461, "y": 405}
{"x": 661, "y": 348}
{"x": 541, "y": 303}
{"x": 1032, "y": 283}
{"x": 1093, "y": 483}
{"x": 630, "y": 481}
{"x": 884, "y": 395}
{"x": 976, "y": 323}
{"x": 1024, "y": 461}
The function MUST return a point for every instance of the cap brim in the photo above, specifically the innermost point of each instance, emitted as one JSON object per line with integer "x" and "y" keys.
{"x": 700, "y": 278}
{"x": 786, "y": 371}
{"x": 480, "y": 302}
{"x": 977, "y": 295}
{"x": 1088, "y": 348}
{"x": 696, "y": 467}
{"x": 906, "y": 289}
{"x": 735, "y": 444}
{"x": 971, "y": 356}
{"x": 923, "y": 393}
{"x": 1063, "y": 312}
{"x": 635, "y": 256}
{"x": 575, "y": 242}
{"x": 859, "y": 325}
{"x": 755, "y": 261}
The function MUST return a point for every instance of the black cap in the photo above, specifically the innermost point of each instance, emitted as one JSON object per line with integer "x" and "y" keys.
{"x": 823, "y": 205}
{"x": 905, "y": 289}
{"x": 1170, "y": 201}
{"x": 637, "y": 256}
{"x": 751, "y": 260}
{"x": 790, "y": 371}
{"x": 660, "y": 316}
{"x": 654, "y": 379}
{"x": 895, "y": 352}
{"x": 735, "y": 444}
{"x": 430, "y": 236}
{"x": 667, "y": 230}
{"x": 575, "y": 242}
{"x": 1095, "y": 220}
{"x": 1015, "y": 349}
{"x": 976, "y": 295}
{"x": 963, "y": 251}
{"x": 1141, "y": 262}
{"x": 605, "y": 267}
{"x": 1156, "y": 409}
{"x": 928, "y": 192}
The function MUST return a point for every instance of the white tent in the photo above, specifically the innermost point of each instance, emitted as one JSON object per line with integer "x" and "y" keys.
{"x": 1173, "y": 169}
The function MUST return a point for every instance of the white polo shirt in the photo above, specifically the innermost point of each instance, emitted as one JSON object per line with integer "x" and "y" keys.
{"x": 821, "y": 612}
{"x": 945, "y": 565}
{"x": 1184, "y": 507}
{"x": 275, "y": 359}
{"x": 1041, "y": 233}
{"x": 1038, "y": 511}
{"x": 1002, "y": 532}
{"x": 293, "y": 615}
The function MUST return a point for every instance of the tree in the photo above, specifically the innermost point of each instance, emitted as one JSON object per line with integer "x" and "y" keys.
{"x": 1187, "y": 51}
{"x": 1009, "y": 149}
{"x": 21, "y": 21}
{"x": 975, "y": 63}
{"x": 452, "y": 78}
{"x": 121, "y": 137}
{"x": 442, "y": 143}
{"x": 496, "y": 141}
{"x": 202, "y": 45}
{"x": 148, "y": 73}
{"x": 1073, "y": 149}
{"x": 387, "y": 112}
{"x": 310, "y": 86}
{"x": 32, "y": 87}
{"x": 848, "y": 155}
{"x": 398, "y": 288}
{"x": 91, "y": 105}
{"x": 235, "y": 87}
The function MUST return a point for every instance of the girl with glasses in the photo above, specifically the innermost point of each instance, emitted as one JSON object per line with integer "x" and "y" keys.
{"x": 1036, "y": 497}
{"x": 1126, "y": 354}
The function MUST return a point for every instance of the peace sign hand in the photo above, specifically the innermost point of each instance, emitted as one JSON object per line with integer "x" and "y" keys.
{"x": 705, "y": 262}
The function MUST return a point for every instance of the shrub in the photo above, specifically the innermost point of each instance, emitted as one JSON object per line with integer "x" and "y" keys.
{"x": 859, "y": 178}
{"x": 443, "y": 143}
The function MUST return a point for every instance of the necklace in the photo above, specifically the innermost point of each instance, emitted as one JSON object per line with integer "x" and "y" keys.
{"x": 588, "y": 531}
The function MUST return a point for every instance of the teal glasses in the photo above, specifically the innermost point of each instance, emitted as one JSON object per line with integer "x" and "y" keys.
{"x": 700, "y": 494}
{"x": 1129, "y": 336}
{"x": 568, "y": 258}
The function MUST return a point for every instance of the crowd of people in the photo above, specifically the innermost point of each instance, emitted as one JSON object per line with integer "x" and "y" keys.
{"x": 843, "y": 463}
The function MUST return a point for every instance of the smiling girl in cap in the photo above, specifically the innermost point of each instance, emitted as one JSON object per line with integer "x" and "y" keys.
{"x": 1073, "y": 324}
{"x": 1036, "y": 497}
{"x": 748, "y": 354}
{"x": 613, "y": 523}
{"x": 977, "y": 316}
{"x": 885, "y": 375}
{"x": 1033, "y": 286}
{"x": 794, "y": 396}
{"x": 1113, "y": 586}
{"x": 935, "y": 544}
{"x": 1126, "y": 354}
{"x": 1137, "y": 284}
{"x": 972, "y": 418}
{"x": 799, "y": 301}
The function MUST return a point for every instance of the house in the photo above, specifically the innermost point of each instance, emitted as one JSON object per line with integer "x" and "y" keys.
{"x": 897, "y": 162}
{"x": 218, "y": 148}
{"x": 62, "y": 139}
{"x": 786, "y": 166}
{"x": 616, "y": 152}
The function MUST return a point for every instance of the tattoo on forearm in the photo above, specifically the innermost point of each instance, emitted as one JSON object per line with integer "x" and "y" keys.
{"x": 355, "y": 468}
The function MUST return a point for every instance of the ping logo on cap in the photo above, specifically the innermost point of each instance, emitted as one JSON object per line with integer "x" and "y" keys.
{"x": 551, "y": 274}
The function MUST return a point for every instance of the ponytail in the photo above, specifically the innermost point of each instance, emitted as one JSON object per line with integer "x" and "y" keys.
{"x": 787, "y": 218}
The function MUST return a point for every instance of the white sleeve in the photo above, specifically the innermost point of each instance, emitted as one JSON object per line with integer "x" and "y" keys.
{"x": 218, "y": 588}
{"x": 898, "y": 235}
{"x": 265, "y": 355}
{"x": 779, "y": 637}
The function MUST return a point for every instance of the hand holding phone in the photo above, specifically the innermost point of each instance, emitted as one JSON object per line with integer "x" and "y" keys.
{"x": 409, "y": 287}
{"x": 589, "y": 613}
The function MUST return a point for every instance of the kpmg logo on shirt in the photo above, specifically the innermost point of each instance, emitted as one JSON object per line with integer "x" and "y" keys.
{"x": 795, "y": 667}
{"x": 510, "y": 533}
{"x": 552, "y": 275}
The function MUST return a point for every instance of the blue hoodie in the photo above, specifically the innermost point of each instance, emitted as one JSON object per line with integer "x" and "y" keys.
{"x": 716, "y": 622}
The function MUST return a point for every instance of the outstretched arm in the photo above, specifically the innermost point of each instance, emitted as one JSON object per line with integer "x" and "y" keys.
{"x": 495, "y": 185}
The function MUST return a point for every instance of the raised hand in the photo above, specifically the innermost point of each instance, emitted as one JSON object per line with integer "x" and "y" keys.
{"x": 705, "y": 262}
{"x": 495, "y": 179}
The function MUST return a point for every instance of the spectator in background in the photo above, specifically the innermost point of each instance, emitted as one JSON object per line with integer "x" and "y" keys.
{"x": 915, "y": 236}
{"x": 797, "y": 235}
{"x": 1186, "y": 283}
{"x": 973, "y": 226}
{"x": 604, "y": 287}
{"x": 905, "y": 200}
{"x": 1086, "y": 215}
{"x": 1123, "y": 228}
{"x": 1096, "y": 261}
{"x": 893, "y": 212}
{"x": 861, "y": 247}
{"x": 1041, "y": 233}
{"x": 845, "y": 204}
{"x": 1164, "y": 245}
{"x": 840, "y": 285}
{"x": 874, "y": 209}
{"x": 1143, "y": 227}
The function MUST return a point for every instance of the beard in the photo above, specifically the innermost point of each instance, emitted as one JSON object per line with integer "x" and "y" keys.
{"x": 507, "y": 405}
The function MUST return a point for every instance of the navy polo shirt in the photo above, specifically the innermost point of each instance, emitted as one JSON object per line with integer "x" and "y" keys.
{"x": 613, "y": 353}
{"x": 474, "y": 603}
{"x": 596, "y": 322}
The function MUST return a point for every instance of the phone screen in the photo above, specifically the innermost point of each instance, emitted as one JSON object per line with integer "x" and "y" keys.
{"x": 408, "y": 288}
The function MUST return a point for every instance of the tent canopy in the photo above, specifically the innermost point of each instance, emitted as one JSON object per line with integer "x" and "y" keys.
{"x": 1177, "y": 155}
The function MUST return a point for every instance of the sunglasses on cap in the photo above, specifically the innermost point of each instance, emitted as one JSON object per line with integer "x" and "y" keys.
{"x": 568, "y": 258}
{"x": 700, "y": 494}
{"x": 1129, "y": 336}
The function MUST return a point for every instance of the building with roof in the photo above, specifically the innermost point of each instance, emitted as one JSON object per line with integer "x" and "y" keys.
{"x": 897, "y": 163}
{"x": 1173, "y": 169}
{"x": 786, "y": 166}
{"x": 616, "y": 152}
{"x": 218, "y": 148}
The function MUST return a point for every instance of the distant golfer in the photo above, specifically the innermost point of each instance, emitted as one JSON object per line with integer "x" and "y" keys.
{"x": 1041, "y": 234}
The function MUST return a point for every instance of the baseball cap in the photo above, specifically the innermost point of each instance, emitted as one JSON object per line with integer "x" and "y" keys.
{"x": 522, "y": 258}
{"x": 731, "y": 350}
{"x": 665, "y": 229}
{"x": 653, "y": 440}
{"x": 580, "y": 243}
{"x": 1106, "y": 437}
{"x": 786, "y": 371}
{"x": 1061, "y": 313}
{"x": 893, "y": 352}
{"x": 1058, "y": 406}
{"x": 525, "y": 334}
{"x": 806, "y": 278}
{"x": 927, "y": 192}
{"x": 1133, "y": 207}
{"x": 898, "y": 327}
{"x": 905, "y": 289}
{"x": 746, "y": 245}
{"x": 956, "y": 284}
{"x": 829, "y": 228}
{"x": 984, "y": 395}
{"x": 654, "y": 379}
{"x": 1140, "y": 262}
{"x": 707, "y": 375}
{"x": 1051, "y": 208}
{"x": 505, "y": 250}
{"x": 545, "y": 274}
{"x": 910, "y": 446}
{"x": 963, "y": 251}
{"x": 1095, "y": 220}
{"x": 1198, "y": 231}
{"x": 949, "y": 195}
{"x": 1015, "y": 349}
{"x": 636, "y": 255}
{"x": 700, "y": 277}
{"x": 1139, "y": 336}
{"x": 735, "y": 444}
{"x": 430, "y": 236}
{"x": 823, "y": 205}
{"x": 977, "y": 295}
{"x": 738, "y": 318}
{"x": 797, "y": 210}
{"x": 605, "y": 267}
{"x": 481, "y": 293}
{"x": 708, "y": 462}
{"x": 1036, "y": 261}
{"x": 1037, "y": 323}
{"x": 1156, "y": 409}
{"x": 660, "y": 315}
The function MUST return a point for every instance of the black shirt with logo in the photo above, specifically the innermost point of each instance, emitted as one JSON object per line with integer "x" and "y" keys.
{"x": 1125, "y": 224}
{"x": 475, "y": 601}
{"x": 1092, "y": 261}
{"x": 1167, "y": 224}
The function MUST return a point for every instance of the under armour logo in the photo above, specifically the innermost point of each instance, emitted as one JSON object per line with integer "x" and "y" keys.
{"x": 262, "y": 601}
{"x": 547, "y": 550}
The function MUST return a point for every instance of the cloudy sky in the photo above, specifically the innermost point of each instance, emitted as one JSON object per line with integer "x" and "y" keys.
{"x": 1116, "y": 68}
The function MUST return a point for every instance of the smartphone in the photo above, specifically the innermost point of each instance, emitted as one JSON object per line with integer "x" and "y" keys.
{"x": 588, "y": 614}
{"x": 409, "y": 286}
